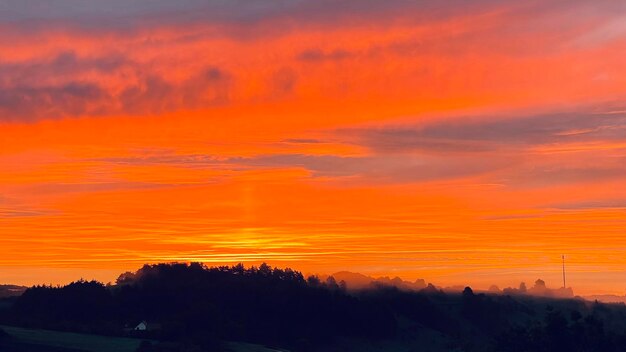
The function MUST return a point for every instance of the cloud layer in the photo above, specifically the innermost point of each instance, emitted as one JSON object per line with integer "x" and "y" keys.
{"x": 429, "y": 139}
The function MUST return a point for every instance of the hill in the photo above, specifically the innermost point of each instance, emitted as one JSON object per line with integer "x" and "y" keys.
{"x": 607, "y": 298}
{"x": 191, "y": 307}
{"x": 356, "y": 281}
{"x": 11, "y": 290}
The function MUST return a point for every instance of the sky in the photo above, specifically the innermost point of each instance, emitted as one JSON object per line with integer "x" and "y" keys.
{"x": 459, "y": 142}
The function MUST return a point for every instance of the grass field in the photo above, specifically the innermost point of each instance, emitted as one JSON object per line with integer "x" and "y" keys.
{"x": 97, "y": 343}
{"x": 247, "y": 347}
{"x": 92, "y": 343}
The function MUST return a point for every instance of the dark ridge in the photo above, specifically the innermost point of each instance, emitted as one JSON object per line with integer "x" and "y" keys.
{"x": 192, "y": 307}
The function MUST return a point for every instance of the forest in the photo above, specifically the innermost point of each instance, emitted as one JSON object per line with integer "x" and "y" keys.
{"x": 193, "y": 307}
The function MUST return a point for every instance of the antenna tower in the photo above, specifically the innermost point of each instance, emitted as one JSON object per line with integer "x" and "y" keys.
{"x": 563, "y": 257}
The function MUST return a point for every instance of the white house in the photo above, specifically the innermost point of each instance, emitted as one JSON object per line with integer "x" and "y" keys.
{"x": 143, "y": 326}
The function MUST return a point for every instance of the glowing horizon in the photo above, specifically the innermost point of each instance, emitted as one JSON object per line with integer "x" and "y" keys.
{"x": 459, "y": 143}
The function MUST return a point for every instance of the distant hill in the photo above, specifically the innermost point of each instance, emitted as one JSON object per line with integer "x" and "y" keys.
{"x": 607, "y": 298}
{"x": 357, "y": 281}
{"x": 11, "y": 290}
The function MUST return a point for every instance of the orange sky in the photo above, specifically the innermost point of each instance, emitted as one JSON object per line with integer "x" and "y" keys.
{"x": 462, "y": 144}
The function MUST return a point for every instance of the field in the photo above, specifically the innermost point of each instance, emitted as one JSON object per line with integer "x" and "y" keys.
{"x": 72, "y": 341}
{"x": 247, "y": 347}
{"x": 47, "y": 340}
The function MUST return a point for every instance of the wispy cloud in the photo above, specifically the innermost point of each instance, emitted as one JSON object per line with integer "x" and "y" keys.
{"x": 592, "y": 204}
{"x": 29, "y": 92}
{"x": 486, "y": 134}
{"x": 15, "y": 213}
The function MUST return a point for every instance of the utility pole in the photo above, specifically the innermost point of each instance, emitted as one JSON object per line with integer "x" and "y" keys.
{"x": 563, "y": 257}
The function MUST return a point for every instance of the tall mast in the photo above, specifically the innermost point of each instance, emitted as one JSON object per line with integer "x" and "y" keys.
{"x": 563, "y": 257}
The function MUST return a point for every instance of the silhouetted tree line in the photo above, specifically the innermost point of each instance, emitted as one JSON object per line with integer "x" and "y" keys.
{"x": 192, "y": 302}
{"x": 490, "y": 313}
{"x": 562, "y": 332}
{"x": 80, "y": 306}
{"x": 192, "y": 308}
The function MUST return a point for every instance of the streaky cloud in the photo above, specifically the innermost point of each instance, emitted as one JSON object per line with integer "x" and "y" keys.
{"x": 484, "y": 134}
